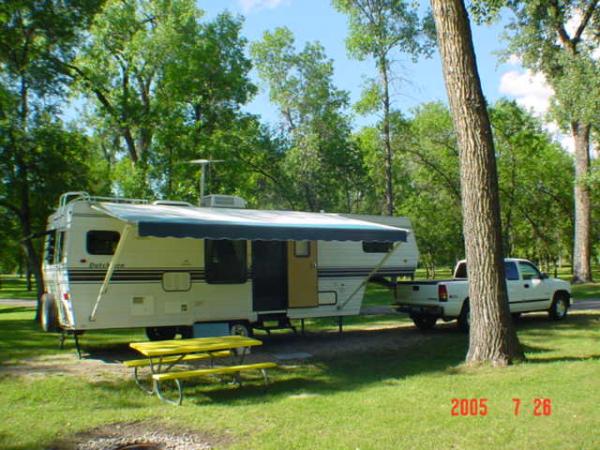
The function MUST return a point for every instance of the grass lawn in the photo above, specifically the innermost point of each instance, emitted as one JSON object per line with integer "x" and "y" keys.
{"x": 13, "y": 286}
{"x": 394, "y": 398}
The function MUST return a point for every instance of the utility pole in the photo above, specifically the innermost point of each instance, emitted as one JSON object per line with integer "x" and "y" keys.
{"x": 203, "y": 163}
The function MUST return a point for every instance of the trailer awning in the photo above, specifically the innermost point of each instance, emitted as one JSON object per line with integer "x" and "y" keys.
{"x": 223, "y": 223}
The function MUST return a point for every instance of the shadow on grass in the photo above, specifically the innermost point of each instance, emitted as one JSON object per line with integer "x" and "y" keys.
{"x": 564, "y": 359}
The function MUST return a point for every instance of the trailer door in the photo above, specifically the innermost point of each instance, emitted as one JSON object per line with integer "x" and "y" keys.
{"x": 302, "y": 274}
{"x": 269, "y": 284}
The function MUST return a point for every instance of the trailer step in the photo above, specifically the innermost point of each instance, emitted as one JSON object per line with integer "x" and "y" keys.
{"x": 282, "y": 323}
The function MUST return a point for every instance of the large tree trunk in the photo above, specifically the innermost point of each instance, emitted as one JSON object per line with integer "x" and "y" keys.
{"x": 492, "y": 336}
{"x": 387, "y": 140}
{"x": 581, "y": 246}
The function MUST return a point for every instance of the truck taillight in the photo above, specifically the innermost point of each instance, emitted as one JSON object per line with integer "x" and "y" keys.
{"x": 66, "y": 296}
{"x": 442, "y": 293}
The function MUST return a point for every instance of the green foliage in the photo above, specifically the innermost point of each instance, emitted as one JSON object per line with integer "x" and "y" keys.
{"x": 321, "y": 164}
{"x": 166, "y": 88}
{"x": 378, "y": 27}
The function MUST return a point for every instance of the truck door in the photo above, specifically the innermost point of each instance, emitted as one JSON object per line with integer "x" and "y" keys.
{"x": 535, "y": 292}
{"x": 513, "y": 285}
{"x": 302, "y": 274}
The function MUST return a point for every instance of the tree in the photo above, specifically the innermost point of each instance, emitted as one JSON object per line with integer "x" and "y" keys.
{"x": 377, "y": 29}
{"x": 540, "y": 35}
{"x": 323, "y": 166}
{"x": 165, "y": 87}
{"x": 492, "y": 335}
{"x": 535, "y": 178}
{"x": 36, "y": 39}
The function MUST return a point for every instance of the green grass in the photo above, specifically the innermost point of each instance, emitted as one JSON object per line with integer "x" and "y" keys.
{"x": 13, "y": 286}
{"x": 398, "y": 398}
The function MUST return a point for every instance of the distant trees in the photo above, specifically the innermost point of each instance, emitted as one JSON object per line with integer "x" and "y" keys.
{"x": 38, "y": 156}
{"x": 322, "y": 165}
{"x": 558, "y": 39}
{"x": 378, "y": 29}
{"x": 166, "y": 87}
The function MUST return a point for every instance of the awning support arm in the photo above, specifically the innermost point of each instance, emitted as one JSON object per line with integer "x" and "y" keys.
{"x": 111, "y": 269}
{"x": 375, "y": 269}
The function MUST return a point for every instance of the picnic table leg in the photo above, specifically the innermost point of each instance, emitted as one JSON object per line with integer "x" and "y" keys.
{"x": 159, "y": 392}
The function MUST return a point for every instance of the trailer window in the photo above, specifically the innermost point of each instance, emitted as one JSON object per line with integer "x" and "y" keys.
{"x": 225, "y": 261}
{"x": 377, "y": 247}
{"x": 60, "y": 247}
{"x": 302, "y": 249}
{"x": 102, "y": 242}
{"x": 49, "y": 246}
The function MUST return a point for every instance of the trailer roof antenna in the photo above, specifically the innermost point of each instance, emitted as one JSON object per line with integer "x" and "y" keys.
{"x": 203, "y": 163}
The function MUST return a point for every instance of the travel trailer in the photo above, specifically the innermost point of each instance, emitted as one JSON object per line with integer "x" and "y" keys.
{"x": 171, "y": 267}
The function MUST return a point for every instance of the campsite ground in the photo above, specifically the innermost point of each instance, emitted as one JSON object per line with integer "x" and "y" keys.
{"x": 381, "y": 385}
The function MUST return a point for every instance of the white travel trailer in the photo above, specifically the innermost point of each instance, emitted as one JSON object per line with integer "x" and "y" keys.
{"x": 170, "y": 266}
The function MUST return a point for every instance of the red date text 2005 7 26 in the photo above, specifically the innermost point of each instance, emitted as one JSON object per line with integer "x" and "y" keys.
{"x": 480, "y": 407}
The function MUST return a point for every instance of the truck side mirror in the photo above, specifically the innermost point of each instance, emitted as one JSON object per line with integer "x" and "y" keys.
{"x": 544, "y": 276}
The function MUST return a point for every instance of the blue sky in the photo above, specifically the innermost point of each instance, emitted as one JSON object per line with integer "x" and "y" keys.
{"x": 317, "y": 20}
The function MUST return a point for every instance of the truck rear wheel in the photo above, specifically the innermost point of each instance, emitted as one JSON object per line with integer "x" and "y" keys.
{"x": 464, "y": 320}
{"x": 49, "y": 313}
{"x": 423, "y": 322}
{"x": 161, "y": 333}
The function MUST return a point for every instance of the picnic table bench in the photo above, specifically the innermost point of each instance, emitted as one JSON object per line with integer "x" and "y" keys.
{"x": 163, "y": 356}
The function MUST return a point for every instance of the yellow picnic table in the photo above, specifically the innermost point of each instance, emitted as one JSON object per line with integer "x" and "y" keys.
{"x": 162, "y": 356}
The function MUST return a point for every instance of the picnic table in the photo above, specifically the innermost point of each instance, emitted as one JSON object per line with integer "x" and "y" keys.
{"x": 163, "y": 356}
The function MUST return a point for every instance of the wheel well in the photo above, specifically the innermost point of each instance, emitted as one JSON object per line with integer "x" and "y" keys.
{"x": 562, "y": 292}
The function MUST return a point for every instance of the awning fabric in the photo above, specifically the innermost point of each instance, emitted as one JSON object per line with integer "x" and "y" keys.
{"x": 223, "y": 223}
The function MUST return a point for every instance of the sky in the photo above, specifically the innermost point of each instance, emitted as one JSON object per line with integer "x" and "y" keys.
{"x": 317, "y": 20}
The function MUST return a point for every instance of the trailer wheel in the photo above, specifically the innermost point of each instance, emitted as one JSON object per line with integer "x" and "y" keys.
{"x": 423, "y": 322}
{"x": 240, "y": 329}
{"x": 161, "y": 333}
{"x": 464, "y": 320}
{"x": 49, "y": 313}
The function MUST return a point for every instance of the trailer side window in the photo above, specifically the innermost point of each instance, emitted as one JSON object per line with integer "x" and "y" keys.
{"x": 225, "y": 261}
{"x": 60, "y": 247}
{"x": 102, "y": 242}
{"x": 377, "y": 247}
{"x": 49, "y": 246}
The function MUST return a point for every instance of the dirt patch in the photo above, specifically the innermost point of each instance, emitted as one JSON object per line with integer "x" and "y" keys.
{"x": 147, "y": 435}
{"x": 107, "y": 363}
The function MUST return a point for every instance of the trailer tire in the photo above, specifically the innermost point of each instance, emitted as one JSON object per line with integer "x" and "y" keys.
{"x": 464, "y": 320}
{"x": 424, "y": 322}
{"x": 240, "y": 329}
{"x": 49, "y": 313}
{"x": 161, "y": 333}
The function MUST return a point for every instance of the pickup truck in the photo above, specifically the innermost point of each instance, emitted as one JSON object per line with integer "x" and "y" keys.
{"x": 528, "y": 290}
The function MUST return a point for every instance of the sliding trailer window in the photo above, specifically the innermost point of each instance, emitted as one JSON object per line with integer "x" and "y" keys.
{"x": 102, "y": 242}
{"x": 225, "y": 261}
{"x": 377, "y": 247}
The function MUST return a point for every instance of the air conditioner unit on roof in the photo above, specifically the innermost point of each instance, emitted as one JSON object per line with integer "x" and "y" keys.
{"x": 223, "y": 201}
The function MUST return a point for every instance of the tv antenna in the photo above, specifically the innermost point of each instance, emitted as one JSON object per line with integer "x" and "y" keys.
{"x": 203, "y": 163}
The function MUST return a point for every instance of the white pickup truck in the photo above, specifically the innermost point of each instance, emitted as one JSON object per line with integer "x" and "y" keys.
{"x": 528, "y": 290}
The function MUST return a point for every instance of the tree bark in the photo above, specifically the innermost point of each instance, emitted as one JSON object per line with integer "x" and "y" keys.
{"x": 582, "y": 272}
{"x": 492, "y": 337}
{"x": 387, "y": 140}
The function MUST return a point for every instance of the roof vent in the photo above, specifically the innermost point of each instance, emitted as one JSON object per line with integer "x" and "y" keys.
{"x": 172, "y": 203}
{"x": 223, "y": 201}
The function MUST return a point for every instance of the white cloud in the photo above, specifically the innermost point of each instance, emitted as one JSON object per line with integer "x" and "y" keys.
{"x": 530, "y": 89}
{"x": 256, "y": 5}
{"x": 533, "y": 93}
